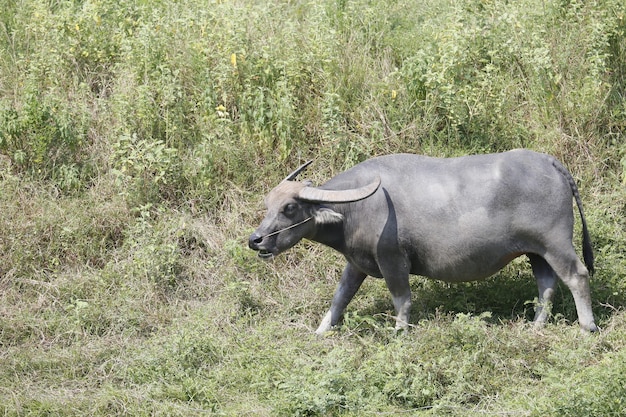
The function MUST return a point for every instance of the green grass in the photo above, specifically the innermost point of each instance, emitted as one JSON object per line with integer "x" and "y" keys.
{"x": 137, "y": 140}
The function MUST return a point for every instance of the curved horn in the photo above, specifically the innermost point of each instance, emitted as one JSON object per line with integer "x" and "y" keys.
{"x": 295, "y": 173}
{"x": 316, "y": 195}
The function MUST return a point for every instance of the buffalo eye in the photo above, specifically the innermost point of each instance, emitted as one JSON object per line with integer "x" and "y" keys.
{"x": 290, "y": 209}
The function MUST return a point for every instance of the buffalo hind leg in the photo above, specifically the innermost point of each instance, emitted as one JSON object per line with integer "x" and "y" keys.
{"x": 574, "y": 274}
{"x": 349, "y": 284}
{"x": 546, "y": 282}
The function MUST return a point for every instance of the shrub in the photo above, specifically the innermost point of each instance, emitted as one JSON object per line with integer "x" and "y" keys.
{"x": 138, "y": 138}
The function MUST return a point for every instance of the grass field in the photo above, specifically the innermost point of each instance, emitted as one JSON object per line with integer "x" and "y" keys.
{"x": 138, "y": 138}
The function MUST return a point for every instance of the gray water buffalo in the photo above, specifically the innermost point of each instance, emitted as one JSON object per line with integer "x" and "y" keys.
{"x": 451, "y": 219}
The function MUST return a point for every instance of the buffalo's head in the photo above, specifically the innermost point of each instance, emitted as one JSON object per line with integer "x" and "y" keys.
{"x": 295, "y": 209}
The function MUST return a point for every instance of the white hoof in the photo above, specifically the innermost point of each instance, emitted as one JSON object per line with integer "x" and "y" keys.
{"x": 325, "y": 324}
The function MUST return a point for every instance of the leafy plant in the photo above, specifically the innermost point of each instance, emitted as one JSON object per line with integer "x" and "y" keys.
{"x": 144, "y": 167}
{"x": 137, "y": 140}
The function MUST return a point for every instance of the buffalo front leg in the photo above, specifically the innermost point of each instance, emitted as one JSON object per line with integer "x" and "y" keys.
{"x": 401, "y": 296}
{"x": 397, "y": 279}
{"x": 349, "y": 284}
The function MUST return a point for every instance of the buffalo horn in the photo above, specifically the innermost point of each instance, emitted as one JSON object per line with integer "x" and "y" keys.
{"x": 295, "y": 173}
{"x": 317, "y": 195}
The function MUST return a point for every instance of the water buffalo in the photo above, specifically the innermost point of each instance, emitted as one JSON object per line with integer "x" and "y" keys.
{"x": 452, "y": 219}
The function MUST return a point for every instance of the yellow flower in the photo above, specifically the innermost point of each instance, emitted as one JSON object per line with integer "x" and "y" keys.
{"x": 221, "y": 112}
{"x": 233, "y": 60}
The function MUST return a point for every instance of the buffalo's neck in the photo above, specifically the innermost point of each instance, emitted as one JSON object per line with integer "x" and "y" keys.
{"x": 331, "y": 235}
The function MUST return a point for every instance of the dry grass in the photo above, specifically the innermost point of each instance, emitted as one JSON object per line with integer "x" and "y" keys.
{"x": 134, "y": 155}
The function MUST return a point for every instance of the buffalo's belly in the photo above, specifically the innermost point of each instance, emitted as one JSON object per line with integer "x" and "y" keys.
{"x": 366, "y": 264}
{"x": 463, "y": 260}
{"x": 451, "y": 268}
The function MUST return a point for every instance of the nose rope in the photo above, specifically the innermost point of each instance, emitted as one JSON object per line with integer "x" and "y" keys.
{"x": 287, "y": 228}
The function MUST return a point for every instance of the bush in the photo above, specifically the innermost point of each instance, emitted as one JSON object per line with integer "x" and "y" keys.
{"x": 137, "y": 140}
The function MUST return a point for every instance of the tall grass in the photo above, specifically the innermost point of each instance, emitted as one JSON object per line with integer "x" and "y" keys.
{"x": 138, "y": 138}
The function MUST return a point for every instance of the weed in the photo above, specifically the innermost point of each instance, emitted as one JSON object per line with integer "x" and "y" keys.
{"x": 137, "y": 140}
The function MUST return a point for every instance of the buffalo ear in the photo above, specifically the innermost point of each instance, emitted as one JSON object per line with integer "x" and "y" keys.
{"x": 324, "y": 215}
{"x": 317, "y": 195}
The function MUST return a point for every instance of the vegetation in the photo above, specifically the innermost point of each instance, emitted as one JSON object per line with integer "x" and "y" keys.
{"x": 137, "y": 139}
